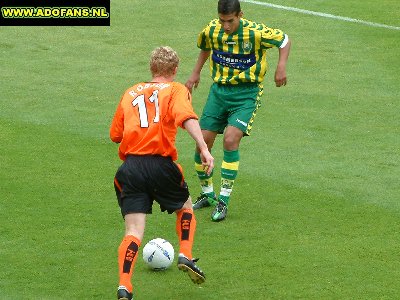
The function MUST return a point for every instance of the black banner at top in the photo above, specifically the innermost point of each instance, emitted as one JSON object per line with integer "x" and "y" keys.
{"x": 55, "y": 13}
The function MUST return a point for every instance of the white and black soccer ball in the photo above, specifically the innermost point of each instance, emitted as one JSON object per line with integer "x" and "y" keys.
{"x": 158, "y": 254}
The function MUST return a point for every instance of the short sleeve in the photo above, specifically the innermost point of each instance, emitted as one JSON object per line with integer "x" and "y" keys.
{"x": 271, "y": 37}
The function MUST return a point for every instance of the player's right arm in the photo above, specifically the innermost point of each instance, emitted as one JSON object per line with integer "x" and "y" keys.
{"x": 194, "y": 79}
{"x": 117, "y": 125}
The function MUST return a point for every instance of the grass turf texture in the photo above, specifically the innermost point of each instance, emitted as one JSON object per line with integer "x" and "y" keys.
{"x": 314, "y": 213}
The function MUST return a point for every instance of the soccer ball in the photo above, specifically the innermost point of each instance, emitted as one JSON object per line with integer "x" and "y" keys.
{"x": 158, "y": 254}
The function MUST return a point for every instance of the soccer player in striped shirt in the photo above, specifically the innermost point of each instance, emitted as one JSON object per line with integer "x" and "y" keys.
{"x": 237, "y": 50}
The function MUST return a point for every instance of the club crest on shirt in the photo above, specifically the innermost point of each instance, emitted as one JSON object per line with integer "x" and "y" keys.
{"x": 247, "y": 46}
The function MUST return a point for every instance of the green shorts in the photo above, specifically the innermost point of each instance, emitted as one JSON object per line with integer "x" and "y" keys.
{"x": 234, "y": 105}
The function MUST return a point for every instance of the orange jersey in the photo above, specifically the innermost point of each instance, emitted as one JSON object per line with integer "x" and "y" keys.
{"x": 147, "y": 118}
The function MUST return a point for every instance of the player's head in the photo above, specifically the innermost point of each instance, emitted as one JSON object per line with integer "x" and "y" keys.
{"x": 229, "y": 13}
{"x": 164, "y": 62}
{"x": 227, "y": 7}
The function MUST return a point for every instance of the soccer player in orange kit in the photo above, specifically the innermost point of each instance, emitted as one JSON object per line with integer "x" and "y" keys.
{"x": 145, "y": 124}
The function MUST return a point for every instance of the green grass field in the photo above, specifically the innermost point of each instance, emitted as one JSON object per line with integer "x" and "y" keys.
{"x": 315, "y": 213}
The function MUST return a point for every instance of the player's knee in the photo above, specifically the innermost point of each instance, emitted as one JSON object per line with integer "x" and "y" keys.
{"x": 232, "y": 138}
{"x": 231, "y": 142}
{"x": 188, "y": 204}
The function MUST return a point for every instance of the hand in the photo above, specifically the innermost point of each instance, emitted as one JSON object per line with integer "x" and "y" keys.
{"x": 207, "y": 161}
{"x": 280, "y": 77}
{"x": 193, "y": 81}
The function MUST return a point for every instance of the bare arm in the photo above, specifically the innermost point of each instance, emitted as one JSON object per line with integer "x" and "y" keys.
{"x": 194, "y": 79}
{"x": 192, "y": 126}
{"x": 280, "y": 73}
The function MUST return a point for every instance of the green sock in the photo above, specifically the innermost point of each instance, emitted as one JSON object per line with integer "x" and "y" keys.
{"x": 229, "y": 170}
{"x": 206, "y": 181}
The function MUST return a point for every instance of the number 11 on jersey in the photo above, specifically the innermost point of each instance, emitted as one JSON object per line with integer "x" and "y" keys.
{"x": 140, "y": 102}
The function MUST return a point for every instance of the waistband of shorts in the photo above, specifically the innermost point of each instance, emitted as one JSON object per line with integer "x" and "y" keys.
{"x": 149, "y": 156}
{"x": 240, "y": 84}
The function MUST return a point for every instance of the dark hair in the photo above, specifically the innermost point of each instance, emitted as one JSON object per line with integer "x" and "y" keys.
{"x": 227, "y": 7}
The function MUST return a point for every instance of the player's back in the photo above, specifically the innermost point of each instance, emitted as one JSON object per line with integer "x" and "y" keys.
{"x": 151, "y": 113}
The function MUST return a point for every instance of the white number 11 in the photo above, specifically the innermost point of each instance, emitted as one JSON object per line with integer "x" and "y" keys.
{"x": 140, "y": 102}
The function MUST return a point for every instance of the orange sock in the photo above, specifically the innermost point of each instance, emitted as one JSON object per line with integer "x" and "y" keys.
{"x": 185, "y": 229}
{"x": 127, "y": 255}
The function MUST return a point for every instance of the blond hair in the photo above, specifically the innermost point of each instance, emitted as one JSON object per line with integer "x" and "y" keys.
{"x": 163, "y": 61}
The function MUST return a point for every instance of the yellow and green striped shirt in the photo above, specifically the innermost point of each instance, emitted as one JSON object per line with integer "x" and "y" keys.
{"x": 239, "y": 57}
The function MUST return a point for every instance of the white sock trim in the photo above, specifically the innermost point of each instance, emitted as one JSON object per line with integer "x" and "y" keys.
{"x": 207, "y": 189}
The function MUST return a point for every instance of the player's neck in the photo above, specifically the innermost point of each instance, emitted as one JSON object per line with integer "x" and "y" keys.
{"x": 165, "y": 78}
{"x": 162, "y": 79}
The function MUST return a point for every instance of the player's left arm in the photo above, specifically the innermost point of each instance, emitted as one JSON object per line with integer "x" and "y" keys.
{"x": 280, "y": 72}
{"x": 193, "y": 128}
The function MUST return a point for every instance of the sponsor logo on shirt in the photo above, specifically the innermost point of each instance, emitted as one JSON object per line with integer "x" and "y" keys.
{"x": 235, "y": 61}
